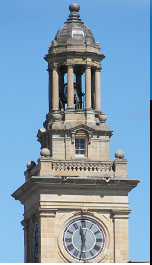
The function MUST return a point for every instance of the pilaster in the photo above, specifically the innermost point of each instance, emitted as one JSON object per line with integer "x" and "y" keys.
{"x": 120, "y": 223}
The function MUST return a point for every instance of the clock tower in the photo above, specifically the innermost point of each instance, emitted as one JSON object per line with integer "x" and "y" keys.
{"x": 75, "y": 198}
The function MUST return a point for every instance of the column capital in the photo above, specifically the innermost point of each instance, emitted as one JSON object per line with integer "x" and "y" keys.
{"x": 70, "y": 66}
{"x": 121, "y": 214}
{"x": 88, "y": 66}
{"x": 54, "y": 67}
{"x": 98, "y": 69}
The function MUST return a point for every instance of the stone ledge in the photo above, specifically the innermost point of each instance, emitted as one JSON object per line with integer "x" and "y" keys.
{"x": 88, "y": 184}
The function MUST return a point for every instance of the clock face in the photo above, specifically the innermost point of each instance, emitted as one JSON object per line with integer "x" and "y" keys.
{"x": 84, "y": 239}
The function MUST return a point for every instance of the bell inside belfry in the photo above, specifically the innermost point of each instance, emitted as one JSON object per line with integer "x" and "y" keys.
{"x": 78, "y": 97}
{"x": 79, "y": 100}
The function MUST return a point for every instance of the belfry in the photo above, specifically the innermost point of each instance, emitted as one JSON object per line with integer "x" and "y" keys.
{"x": 75, "y": 198}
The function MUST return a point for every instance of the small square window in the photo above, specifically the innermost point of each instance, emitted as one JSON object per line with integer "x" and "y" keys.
{"x": 80, "y": 147}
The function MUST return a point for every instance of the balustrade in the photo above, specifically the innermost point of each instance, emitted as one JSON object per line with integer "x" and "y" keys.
{"x": 79, "y": 166}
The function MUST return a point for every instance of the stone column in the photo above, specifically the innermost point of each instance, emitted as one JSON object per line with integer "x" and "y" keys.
{"x": 70, "y": 92}
{"x": 50, "y": 90}
{"x": 61, "y": 89}
{"x": 88, "y": 87}
{"x": 97, "y": 90}
{"x": 55, "y": 85}
{"x": 93, "y": 89}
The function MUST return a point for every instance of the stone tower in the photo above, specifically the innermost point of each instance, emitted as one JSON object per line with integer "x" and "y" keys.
{"x": 75, "y": 198}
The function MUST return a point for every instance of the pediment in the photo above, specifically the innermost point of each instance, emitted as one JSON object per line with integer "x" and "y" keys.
{"x": 83, "y": 128}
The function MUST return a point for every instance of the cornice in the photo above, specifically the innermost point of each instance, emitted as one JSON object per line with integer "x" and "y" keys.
{"x": 66, "y": 131}
{"x": 58, "y": 54}
{"x": 85, "y": 185}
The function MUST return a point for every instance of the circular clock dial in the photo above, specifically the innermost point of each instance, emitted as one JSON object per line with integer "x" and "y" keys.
{"x": 84, "y": 239}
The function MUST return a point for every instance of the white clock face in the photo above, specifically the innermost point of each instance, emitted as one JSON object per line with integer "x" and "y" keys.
{"x": 84, "y": 239}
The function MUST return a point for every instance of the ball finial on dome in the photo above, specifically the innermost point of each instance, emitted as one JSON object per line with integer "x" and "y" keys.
{"x": 74, "y": 7}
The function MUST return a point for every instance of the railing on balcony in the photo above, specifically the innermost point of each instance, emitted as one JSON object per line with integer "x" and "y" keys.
{"x": 106, "y": 166}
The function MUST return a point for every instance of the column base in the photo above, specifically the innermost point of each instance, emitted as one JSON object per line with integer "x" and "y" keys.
{"x": 70, "y": 108}
{"x": 88, "y": 108}
{"x": 55, "y": 110}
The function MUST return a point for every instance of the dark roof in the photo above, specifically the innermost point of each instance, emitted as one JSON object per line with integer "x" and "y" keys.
{"x": 74, "y": 29}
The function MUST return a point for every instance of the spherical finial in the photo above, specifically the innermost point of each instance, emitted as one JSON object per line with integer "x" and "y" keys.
{"x": 119, "y": 154}
{"x": 31, "y": 164}
{"x": 102, "y": 117}
{"x": 74, "y": 7}
{"x": 45, "y": 152}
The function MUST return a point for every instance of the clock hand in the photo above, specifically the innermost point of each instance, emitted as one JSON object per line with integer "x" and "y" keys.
{"x": 82, "y": 240}
{"x": 82, "y": 245}
{"x": 82, "y": 235}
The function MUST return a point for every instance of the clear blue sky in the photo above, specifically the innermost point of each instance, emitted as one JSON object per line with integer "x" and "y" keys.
{"x": 27, "y": 27}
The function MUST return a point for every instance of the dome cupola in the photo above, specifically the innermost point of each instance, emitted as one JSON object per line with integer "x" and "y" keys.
{"x": 74, "y": 65}
{"x": 74, "y": 30}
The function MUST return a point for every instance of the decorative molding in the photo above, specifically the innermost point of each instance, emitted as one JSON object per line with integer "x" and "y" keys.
{"x": 47, "y": 212}
{"x": 82, "y": 127}
{"x": 83, "y": 166}
{"x": 81, "y": 184}
{"x": 73, "y": 187}
{"x": 121, "y": 214}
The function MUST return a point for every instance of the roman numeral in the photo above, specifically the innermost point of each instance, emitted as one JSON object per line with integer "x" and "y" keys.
{"x": 83, "y": 255}
{"x": 96, "y": 248}
{"x": 76, "y": 252}
{"x": 70, "y": 232}
{"x": 68, "y": 240}
{"x": 75, "y": 226}
{"x": 99, "y": 240}
{"x": 91, "y": 226}
{"x": 97, "y": 232}
{"x": 83, "y": 224}
{"x": 70, "y": 247}
{"x": 91, "y": 253}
